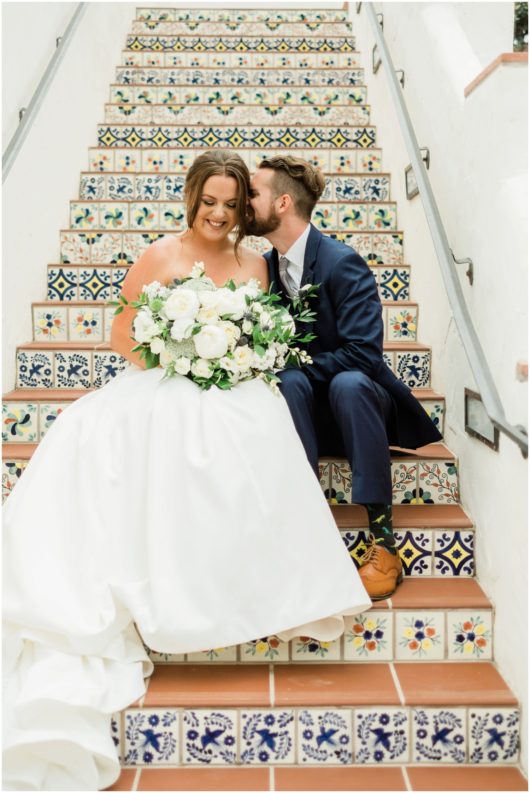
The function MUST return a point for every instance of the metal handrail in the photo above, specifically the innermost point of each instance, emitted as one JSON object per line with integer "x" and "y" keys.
{"x": 464, "y": 323}
{"x": 15, "y": 144}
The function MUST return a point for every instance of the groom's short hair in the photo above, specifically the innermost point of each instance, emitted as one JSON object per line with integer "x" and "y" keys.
{"x": 301, "y": 180}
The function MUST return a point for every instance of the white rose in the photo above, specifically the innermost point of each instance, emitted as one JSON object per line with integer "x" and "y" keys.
{"x": 153, "y": 289}
{"x": 257, "y": 308}
{"x": 243, "y": 357}
{"x": 211, "y": 342}
{"x": 208, "y": 315}
{"x": 181, "y": 303}
{"x": 181, "y": 328}
{"x": 232, "y": 304}
{"x": 182, "y": 365}
{"x": 228, "y": 364}
{"x": 252, "y": 288}
{"x": 247, "y": 326}
{"x": 208, "y": 298}
{"x": 232, "y": 333}
{"x": 145, "y": 328}
{"x": 201, "y": 368}
{"x": 157, "y": 345}
{"x": 288, "y": 322}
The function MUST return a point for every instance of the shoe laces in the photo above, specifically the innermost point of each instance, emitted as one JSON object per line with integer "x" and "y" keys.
{"x": 372, "y": 551}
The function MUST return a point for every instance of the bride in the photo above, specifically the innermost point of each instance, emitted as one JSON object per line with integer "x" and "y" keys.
{"x": 156, "y": 512}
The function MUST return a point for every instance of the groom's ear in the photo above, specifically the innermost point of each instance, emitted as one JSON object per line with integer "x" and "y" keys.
{"x": 285, "y": 202}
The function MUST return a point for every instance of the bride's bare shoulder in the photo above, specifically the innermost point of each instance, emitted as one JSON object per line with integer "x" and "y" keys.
{"x": 254, "y": 264}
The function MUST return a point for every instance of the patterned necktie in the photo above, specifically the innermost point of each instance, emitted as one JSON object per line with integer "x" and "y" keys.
{"x": 286, "y": 279}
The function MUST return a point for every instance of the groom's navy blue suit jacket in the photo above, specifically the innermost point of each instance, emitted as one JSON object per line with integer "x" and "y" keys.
{"x": 349, "y": 331}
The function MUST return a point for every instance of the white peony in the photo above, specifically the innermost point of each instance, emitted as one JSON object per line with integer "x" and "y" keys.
{"x": 208, "y": 315}
{"x": 181, "y": 328}
{"x": 230, "y": 303}
{"x": 155, "y": 289}
{"x": 145, "y": 328}
{"x": 228, "y": 364}
{"x": 201, "y": 368}
{"x": 252, "y": 288}
{"x": 232, "y": 332}
{"x": 257, "y": 308}
{"x": 247, "y": 326}
{"x": 181, "y": 303}
{"x": 157, "y": 345}
{"x": 182, "y": 365}
{"x": 211, "y": 342}
{"x": 243, "y": 357}
{"x": 197, "y": 269}
{"x": 165, "y": 357}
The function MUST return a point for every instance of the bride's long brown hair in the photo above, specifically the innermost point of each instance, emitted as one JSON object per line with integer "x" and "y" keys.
{"x": 216, "y": 162}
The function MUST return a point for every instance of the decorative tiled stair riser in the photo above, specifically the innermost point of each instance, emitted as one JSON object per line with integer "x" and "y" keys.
{"x": 247, "y": 60}
{"x": 160, "y": 215}
{"x": 158, "y": 42}
{"x": 92, "y": 322}
{"x": 157, "y": 184}
{"x": 235, "y": 114}
{"x": 236, "y": 16}
{"x": 236, "y": 76}
{"x": 316, "y": 736}
{"x": 77, "y": 282}
{"x": 177, "y": 159}
{"x": 243, "y": 29}
{"x": 38, "y": 366}
{"x": 238, "y": 95}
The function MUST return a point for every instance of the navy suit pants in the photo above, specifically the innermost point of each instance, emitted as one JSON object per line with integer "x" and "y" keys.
{"x": 346, "y": 417}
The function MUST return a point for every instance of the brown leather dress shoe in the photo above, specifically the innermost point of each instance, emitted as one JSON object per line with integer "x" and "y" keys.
{"x": 380, "y": 571}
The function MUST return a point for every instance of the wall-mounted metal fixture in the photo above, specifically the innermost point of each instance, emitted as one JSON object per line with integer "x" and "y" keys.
{"x": 21, "y": 113}
{"x": 411, "y": 185}
{"x": 358, "y": 7}
{"x": 469, "y": 271}
{"x": 58, "y": 41}
{"x": 426, "y": 157}
{"x": 477, "y": 422}
{"x": 401, "y": 74}
{"x": 380, "y": 18}
{"x": 376, "y": 59}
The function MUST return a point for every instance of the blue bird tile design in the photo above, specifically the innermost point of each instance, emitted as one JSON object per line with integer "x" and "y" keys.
{"x": 210, "y": 737}
{"x": 325, "y": 736}
{"x": 106, "y": 366}
{"x": 151, "y": 737}
{"x": 73, "y": 369}
{"x": 381, "y": 736}
{"x": 267, "y": 737}
{"x": 439, "y": 736}
{"x": 493, "y": 735}
{"x": 34, "y": 369}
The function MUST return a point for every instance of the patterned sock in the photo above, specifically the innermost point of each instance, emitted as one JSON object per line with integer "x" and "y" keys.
{"x": 380, "y": 525}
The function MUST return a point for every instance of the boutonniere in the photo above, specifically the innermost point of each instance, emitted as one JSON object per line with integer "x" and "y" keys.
{"x": 301, "y": 302}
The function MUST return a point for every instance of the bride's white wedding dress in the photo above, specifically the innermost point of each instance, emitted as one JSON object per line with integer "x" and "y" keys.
{"x": 190, "y": 518}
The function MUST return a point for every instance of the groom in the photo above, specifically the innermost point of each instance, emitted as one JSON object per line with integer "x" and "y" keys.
{"x": 347, "y": 401}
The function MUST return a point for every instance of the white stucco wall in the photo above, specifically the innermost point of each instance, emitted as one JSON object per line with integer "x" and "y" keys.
{"x": 45, "y": 175}
{"x": 478, "y": 172}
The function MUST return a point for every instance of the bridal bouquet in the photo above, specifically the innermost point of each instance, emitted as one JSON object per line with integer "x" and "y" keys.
{"x": 218, "y": 335}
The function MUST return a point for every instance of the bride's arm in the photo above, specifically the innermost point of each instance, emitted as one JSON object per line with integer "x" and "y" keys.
{"x": 153, "y": 265}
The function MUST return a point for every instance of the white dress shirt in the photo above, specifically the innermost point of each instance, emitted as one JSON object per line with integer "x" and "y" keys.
{"x": 296, "y": 254}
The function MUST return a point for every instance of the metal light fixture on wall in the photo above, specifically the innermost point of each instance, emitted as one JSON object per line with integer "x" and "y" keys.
{"x": 477, "y": 422}
{"x": 411, "y": 184}
{"x": 376, "y": 59}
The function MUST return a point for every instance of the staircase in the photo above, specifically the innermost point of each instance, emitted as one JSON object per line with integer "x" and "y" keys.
{"x": 410, "y": 697}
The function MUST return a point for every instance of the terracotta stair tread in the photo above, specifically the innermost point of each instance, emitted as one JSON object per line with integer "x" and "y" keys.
{"x": 441, "y": 684}
{"x": 406, "y": 516}
{"x": 25, "y": 450}
{"x": 465, "y": 778}
{"x": 87, "y": 345}
{"x": 438, "y": 593}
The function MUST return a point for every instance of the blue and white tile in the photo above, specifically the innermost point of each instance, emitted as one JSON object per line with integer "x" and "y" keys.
{"x": 92, "y": 188}
{"x": 267, "y": 737}
{"x": 352, "y": 217}
{"x": 209, "y": 737}
{"x": 94, "y": 283}
{"x": 369, "y": 637}
{"x": 356, "y": 544}
{"x": 493, "y": 736}
{"x": 436, "y": 411}
{"x": 34, "y": 369}
{"x": 102, "y": 160}
{"x": 223, "y": 654}
{"x": 381, "y": 736}
{"x": 127, "y": 161}
{"x": 348, "y": 188}
{"x": 106, "y": 366}
{"x": 20, "y": 422}
{"x": 382, "y": 217}
{"x": 420, "y": 635}
{"x": 116, "y": 733}
{"x": 84, "y": 216}
{"x": 454, "y": 553}
{"x": 415, "y": 549}
{"x": 469, "y": 635}
{"x": 414, "y": 368}
{"x": 150, "y": 188}
{"x": 325, "y": 736}
{"x": 173, "y": 188}
{"x": 401, "y": 323}
{"x": 121, "y": 187}
{"x": 62, "y": 283}
{"x": 151, "y": 737}
{"x": 439, "y": 736}
{"x": 114, "y": 215}
{"x": 172, "y": 216}
{"x": 73, "y": 369}
{"x": 118, "y": 277}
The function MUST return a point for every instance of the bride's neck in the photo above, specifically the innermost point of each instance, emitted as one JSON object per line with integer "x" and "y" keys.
{"x": 203, "y": 247}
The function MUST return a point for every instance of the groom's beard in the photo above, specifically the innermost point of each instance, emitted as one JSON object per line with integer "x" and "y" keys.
{"x": 259, "y": 227}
